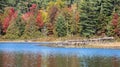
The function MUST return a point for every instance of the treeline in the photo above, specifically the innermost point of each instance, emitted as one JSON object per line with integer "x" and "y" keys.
{"x": 37, "y": 18}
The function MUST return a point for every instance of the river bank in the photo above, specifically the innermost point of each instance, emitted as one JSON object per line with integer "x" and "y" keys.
{"x": 111, "y": 45}
{"x": 67, "y": 42}
{"x": 108, "y": 45}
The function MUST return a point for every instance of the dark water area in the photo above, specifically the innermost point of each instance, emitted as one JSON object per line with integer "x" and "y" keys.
{"x": 31, "y": 55}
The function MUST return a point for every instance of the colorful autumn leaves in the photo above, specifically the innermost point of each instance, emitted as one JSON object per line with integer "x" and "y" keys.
{"x": 58, "y": 18}
{"x": 23, "y": 25}
{"x": 12, "y": 14}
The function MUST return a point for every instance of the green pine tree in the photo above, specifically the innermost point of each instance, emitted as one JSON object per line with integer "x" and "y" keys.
{"x": 96, "y": 16}
{"x": 89, "y": 18}
{"x": 61, "y": 28}
{"x": 109, "y": 7}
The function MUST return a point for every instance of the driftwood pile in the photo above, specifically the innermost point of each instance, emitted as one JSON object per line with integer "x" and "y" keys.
{"x": 83, "y": 42}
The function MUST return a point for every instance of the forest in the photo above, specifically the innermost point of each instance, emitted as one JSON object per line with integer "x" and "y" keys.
{"x": 26, "y": 19}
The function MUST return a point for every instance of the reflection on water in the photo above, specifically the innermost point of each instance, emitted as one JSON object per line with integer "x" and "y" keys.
{"x": 39, "y": 58}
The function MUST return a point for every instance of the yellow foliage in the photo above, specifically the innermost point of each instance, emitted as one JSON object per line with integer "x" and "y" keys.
{"x": 74, "y": 6}
{"x": 50, "y": 4}
{"x": 44, "y": 15}
{"x": 59, "y": 3}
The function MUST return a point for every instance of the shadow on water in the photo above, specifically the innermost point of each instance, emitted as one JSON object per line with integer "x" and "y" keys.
{"x": 24, "y": 55}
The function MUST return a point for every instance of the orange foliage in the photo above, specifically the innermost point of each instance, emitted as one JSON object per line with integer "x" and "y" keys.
{"x": 39, "y": 20}
{"x": 77, "y": 16}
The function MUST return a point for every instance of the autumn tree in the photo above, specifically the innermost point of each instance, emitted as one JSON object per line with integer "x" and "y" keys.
{"x": 31, "y": 24}
{"x": 13, "y": 30}
{"x": 52, "y": 15}
{"x": 39, "y": 20}
{"x": 31, "y": 30}
{"x": 11, "y": 15}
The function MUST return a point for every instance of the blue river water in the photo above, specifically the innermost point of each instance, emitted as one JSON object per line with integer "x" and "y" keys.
{"x": 36, "y": 48}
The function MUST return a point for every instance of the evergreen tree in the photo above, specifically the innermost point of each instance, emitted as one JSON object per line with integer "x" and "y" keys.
{"x": 71, "y": 18}
{"x": 21, "y": 25}
{"x": 61, "y": 28}
{"x": 107, "y": 7}
{"x": 67, "y": 12}
{"x": 96, "y": 17}
{"x": 89, "y": 18}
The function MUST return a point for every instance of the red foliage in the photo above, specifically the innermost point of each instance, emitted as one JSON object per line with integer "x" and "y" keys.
{"x": 12, "y": 14}
{"x": 116, "y": 16}
{"x": 15, "y": 15}
{"x": 115, "y": 22}
{"x": 6, "y": 23}
{"x": 39, "y": 20}
{"x": 26, "y": 16}
{"x": 115, "y": 19}
{"x": 116, "y": 30}
{"x": 11, "y": 11}
{"x": 33, "y": 7}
